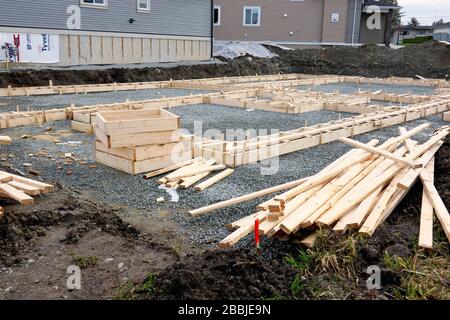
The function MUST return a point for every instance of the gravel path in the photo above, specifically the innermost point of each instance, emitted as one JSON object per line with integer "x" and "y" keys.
{"x": 62, "y": 101}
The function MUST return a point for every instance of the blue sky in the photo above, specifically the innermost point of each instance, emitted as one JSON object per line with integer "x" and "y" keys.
{"x": 426, "y": 11}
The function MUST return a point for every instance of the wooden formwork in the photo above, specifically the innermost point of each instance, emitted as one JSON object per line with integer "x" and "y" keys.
{"x": 446, "y": 116}
{"x": 265, "y": 147}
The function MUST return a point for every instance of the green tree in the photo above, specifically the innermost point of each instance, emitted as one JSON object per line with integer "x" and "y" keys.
{"x": 414, "y": 22}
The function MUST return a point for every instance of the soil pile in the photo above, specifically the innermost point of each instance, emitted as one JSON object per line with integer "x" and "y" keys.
{"x": 244, "y": 66}
{"x": 430, "y": 60}
{"x": 224, "y": 275}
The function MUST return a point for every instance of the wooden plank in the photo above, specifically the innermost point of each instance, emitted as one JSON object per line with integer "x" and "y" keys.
{"x": 260, "y": 193}
{"x": 381, "y": 152}
{"x": 197, "y": 172}
{"x": 427, "y": 211}
{"x": 239, "y": 234}
{"x": 439, "y": 207}
{"x": 218, "y": 177}
{"x": 369, "y": 226}
{"x": 44, "y": 187}
{"x": 5, "y": 140}
{"x": 168, "y": 169}
{"x": 13, "y": 193}
{"x": 446, "y": 116}
{"x": 27, "y": 189}
{"x": 82, "y": 127}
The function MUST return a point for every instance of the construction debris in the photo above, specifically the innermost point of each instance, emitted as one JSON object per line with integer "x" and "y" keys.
{"x": 358, "y": 191}
{"x": 188, "y": 173}
{"x": 21, "y": 189}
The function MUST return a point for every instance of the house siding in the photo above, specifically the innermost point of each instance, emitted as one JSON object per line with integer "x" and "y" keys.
{"x": 167, "y": 17}
{"x": 174, "y": 30}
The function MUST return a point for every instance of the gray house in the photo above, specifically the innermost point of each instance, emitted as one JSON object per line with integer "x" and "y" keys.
{"x": 73, "y": 32}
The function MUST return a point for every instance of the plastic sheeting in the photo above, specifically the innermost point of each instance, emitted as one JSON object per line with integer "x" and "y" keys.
{"x": 231, "y": 50}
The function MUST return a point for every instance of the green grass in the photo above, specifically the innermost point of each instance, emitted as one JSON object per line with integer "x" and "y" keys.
{"x": 423, "y": 276}
{"x": 130, "y": 291}
{"x": 85, "y": 262}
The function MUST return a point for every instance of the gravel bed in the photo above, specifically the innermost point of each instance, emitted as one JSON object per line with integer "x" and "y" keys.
{"x": 348, "y": 88}
{"x": 62, "y": 101}
{"x": 204, "y": 117}
{"x": 115, "y": 187}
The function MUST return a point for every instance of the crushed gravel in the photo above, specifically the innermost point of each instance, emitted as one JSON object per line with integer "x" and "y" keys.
{"x": 90, "y": 99}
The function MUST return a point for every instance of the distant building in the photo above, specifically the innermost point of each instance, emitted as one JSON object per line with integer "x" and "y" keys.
{"x": 299, "y": 23}
{"x": 411, "y": 32}
{"x": 442, "y": 32}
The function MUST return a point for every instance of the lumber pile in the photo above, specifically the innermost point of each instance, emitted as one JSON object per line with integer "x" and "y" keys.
{"x": 358, "y": 191}
{"x": 190, "y": 173}
{"x": 21, "y": 189}
{"x": 137, "y": 141}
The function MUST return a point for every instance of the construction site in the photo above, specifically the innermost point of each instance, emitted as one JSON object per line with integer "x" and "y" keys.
{"x": 287, "y": 180}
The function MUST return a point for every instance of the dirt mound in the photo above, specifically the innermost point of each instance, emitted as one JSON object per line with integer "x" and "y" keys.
{"x": 224, "y": 275}
{"x": 21, "y": 226}
{"x": 431, "y": 59}
{"x": 239, "y": 67}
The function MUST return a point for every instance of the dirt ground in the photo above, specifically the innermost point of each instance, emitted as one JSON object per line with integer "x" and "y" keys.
{"x": 430, "y": 59}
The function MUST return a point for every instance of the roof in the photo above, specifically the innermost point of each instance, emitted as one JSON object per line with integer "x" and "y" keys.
{"x": 407, "y": 27}
{"x": 445, "y": 25}
{"x": 382, "y": 4}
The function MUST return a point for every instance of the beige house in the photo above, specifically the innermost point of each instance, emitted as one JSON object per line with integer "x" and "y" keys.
{"x": 300, "y": 22}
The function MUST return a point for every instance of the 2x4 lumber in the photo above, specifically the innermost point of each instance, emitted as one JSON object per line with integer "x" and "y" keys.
{"x": 189, "y": 181}
{"x": 408, "y": 142}
{"x": 324, "y": 175}
{"x": 294, "y": 222}
{"x": 384, "y": 173}
{"x": 5, "y": 140}
{"x": 13, "y": 193}
{"x": 439, "y": 207}
{"x": 310, "y": 240}
{"x": 44, "y": 187}
{"x": 239, "y": 234}
{"x": 356, "y": 218}
{"x": 381, "y": 152}
{"x": 427, "y": 212}
{"x": 218, "y": 177}
{"x": 369, "y": 226}
{"x": 27, "y": 189}
{"x": 412, "y": 175}
{"x": 272, "y": 227}
{"x": 260, "y": 193}
{"x": 197, "y": 172}
{"x": 194, "y": 165}
{"x": 169, "y": 169}
{"x": 246, "y": 220}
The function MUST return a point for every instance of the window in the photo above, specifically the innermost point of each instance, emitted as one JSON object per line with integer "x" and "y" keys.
{"x": 217, "y": 15}
{"x": 94, "y": 3}
{"x": 143, "y": 5}
{"x": 252, "y": 16}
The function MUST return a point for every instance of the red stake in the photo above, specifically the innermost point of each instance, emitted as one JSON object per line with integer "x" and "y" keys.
{"x": 257, "y": 232}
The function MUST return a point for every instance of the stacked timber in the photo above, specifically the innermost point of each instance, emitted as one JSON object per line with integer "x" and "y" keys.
{"x": 21, "y": 189}
{"x": 137, "y": 141}
{"x": 187, "y": 174}
{"x": 358, "y": 191}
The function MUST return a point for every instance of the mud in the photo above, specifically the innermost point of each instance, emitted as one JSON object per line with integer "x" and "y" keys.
{"x": 39, "y": 242}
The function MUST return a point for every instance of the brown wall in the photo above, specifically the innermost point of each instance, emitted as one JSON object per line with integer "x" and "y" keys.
{"x": 304, "y": 18}
{"x": 372, "y": 36}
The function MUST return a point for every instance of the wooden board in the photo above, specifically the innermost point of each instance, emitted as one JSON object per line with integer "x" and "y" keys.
{"x": 136, "y": 167}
